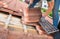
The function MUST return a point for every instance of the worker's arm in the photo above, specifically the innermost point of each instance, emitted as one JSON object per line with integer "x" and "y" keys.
{"x": 31, "y": 1}
{"x": 50, "y": 7}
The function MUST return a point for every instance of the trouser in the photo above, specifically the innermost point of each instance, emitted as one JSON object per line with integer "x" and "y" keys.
{"x": 55, "y": 13}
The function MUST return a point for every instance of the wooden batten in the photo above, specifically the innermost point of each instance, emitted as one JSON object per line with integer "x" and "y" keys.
{"x": 15, "y": 24}
{"x": 16, "y": 30}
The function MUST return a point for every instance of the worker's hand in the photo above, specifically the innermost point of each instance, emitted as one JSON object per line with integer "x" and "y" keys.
{"x": 44, "y": 14}
{"x": 31, "y": 1}
{"x": 42, "y": 19}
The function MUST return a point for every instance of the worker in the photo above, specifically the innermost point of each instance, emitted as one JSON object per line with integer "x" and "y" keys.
{"x": 32, "y": 4}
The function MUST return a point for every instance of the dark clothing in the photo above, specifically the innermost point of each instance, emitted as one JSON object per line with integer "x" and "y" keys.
{"x": 34, "y": 3}
{"x": 48, "y": 0}
{"x": 59, "y": 26}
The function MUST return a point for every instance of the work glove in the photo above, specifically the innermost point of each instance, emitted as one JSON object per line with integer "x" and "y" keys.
{"x": 42, "y": 19}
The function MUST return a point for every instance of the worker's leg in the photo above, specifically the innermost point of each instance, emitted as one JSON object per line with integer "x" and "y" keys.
{"x": 59, "y": 20}
{"x": 55, "y": 13}
{"x": 34, "y": 3}
{"x": 59, "y": 26}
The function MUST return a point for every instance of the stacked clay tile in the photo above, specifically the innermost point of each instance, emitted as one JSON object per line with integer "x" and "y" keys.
{"x": 32, "y": 15}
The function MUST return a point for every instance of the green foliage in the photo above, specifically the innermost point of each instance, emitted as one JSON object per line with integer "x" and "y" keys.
{"x": 43, "y": 10}
{"x": 59, "y": 10}
{"x": 21, "y": 0}
{"x": 50, "y": 14}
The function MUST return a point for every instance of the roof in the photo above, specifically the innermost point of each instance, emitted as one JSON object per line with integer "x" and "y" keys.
{"x": 14, "y": 5}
